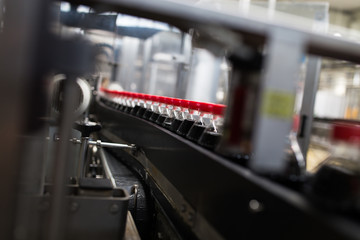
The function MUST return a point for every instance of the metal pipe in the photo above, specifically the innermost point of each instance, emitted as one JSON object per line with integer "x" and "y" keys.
{"x": 99, "y": 143}
{"x": 106, "y": 167}
{"x": 188, "y": 15}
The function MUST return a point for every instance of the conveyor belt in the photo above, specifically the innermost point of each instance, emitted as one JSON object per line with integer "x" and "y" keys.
{"x": 222, "y": 194}
{"x": 126, "y": 179}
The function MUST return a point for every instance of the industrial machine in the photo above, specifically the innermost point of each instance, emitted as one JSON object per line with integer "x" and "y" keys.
{"x": 164, "y": 120}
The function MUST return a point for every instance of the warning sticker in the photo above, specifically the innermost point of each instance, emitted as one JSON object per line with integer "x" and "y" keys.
{"x": 278, "y": 104}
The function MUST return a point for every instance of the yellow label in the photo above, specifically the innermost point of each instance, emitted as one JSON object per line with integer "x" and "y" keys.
{"x": 278, "y": 104}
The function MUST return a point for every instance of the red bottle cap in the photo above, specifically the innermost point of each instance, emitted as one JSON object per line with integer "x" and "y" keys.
{"x": 185, "y": 103}
{"x": 134, "y": 95}
{"x": 348, "y": 132}
{"x": 115, "y": 92}
{"x": 195, "y": 105}
{"x": 207, "y": 107}
{"x": 106, "y": 90}
{"x": 178, "y": 102}
{"x": 162, "y": 99}
{"x": 141, "y": 96}
{"x": 170, "y": 101}
{"x": 155, "y": 98}
{"x": 218, "y": 109}
{"x": 148, "y": 97}
{"x": 165, "y": 100}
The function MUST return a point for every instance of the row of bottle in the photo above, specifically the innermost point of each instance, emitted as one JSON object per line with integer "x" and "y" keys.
{"x": 197, "y": 121}
{"x": 336, "y": 183}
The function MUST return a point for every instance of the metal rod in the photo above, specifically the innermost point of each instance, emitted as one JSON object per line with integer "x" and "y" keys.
{"x": 106, "y": 167}
{"x": 188, "y": 15}
{"x": 99, "y": 143}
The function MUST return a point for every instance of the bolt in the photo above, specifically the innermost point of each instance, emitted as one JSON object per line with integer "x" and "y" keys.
{"x": 56, "y": 137}
{"x": 255, "y": 206}
{"x": 114, "y": 208}
{"x": 74, "y": 206}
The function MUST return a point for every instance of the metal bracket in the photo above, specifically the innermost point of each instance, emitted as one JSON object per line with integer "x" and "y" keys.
{"x": 277, "y": 99}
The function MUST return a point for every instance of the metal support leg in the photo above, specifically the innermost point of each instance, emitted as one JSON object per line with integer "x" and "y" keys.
{"x": 58, "y": 209}
{"x": 308, "y": 102}
{"x": 82, "y": 157}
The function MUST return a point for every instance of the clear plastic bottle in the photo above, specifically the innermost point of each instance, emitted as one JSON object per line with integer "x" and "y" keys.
{"x": 203, "y": 119}
{"x": 143, "y": 105}
{"x": 168, "y": 112}
{"x": 211, "y": 137}
{"x": 131, "y": 101}
{"x": 154, "y": 107}
{"x": 188, "y": 118}
{"x": 122, "y": 100}
{"x": 180, "y": 113}
{"x": 117, "y": 100}
{"x": 336, "y": 183}
{"x": 159, "y": 109}
{"x": 173, "y": 122}
{"x": 152, "y": 102}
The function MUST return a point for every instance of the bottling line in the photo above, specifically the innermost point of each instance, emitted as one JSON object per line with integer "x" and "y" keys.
{"x": 185, "y": 124}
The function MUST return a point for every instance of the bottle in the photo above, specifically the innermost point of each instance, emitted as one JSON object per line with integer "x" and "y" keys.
{"x": 168, "y": 111}
{"x": 122, "y": 98}
{"x": 117, "y": 100}
{"x": 203, "y": 119}
{"x": 154, "y": 108}
{"x": 158, "y": 109}
{"x": 131, "y": 102}
{"x": 188, "y": 120}
{"x": 176, "y": 114}
{"x": 140, "y": 110}
{"x": 134, "y": 101}
{"x": 152, "y": 102}
{"x": 213, "y": 133}
{"x": 336, "y": 182}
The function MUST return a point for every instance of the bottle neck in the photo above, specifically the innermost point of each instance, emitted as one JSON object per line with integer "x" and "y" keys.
{"x": 155, "y": 107}
{"x": 148, "y": 104}
{"x": 217, "y": 123}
